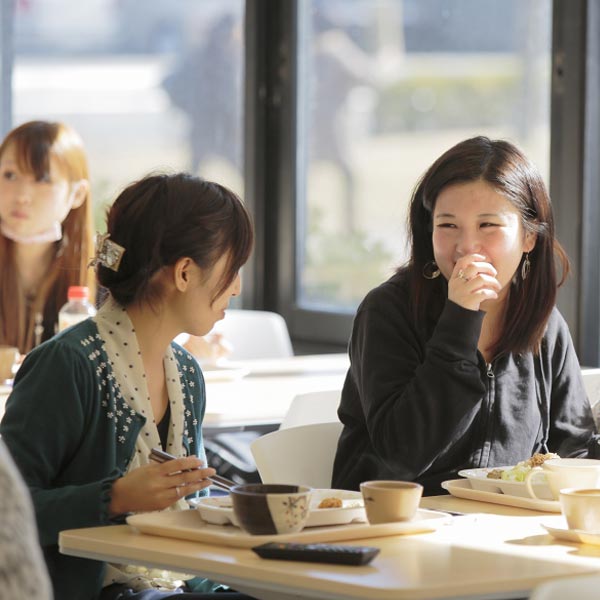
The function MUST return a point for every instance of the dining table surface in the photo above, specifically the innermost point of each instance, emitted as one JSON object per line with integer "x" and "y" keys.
{"x": 488, "y": 552}
{"x": 259, "y": 392}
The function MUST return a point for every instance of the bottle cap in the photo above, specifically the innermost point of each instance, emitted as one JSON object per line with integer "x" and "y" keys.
{"x": 78, "y": 292}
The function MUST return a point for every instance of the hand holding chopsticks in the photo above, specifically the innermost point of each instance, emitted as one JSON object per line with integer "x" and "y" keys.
{"x": 160, "y": 456}
{"x": 158, "y": 485}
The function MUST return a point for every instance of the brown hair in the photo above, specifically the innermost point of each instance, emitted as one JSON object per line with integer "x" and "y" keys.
{"x": 511, "y": 174}
{"x": 163, "y": 218}
{"x": 35, "y": 143}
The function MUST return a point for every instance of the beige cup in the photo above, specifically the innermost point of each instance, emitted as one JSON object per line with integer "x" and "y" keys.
{"x": 565, "y": 473}
{"x": 581, "y": 508}
{"x": 389, "y": 501}
{"x": 8, "y": 359}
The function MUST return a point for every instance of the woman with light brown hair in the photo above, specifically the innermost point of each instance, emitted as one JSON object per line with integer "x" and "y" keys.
{"x": 45, "y": 229}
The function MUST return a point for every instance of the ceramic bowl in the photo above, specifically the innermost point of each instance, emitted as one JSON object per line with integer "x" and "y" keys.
{"x": 269, "y": 508}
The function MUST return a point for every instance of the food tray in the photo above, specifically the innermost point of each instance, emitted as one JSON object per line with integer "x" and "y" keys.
{"x": 461, "y": 488}
{"x": 189, "y": 525}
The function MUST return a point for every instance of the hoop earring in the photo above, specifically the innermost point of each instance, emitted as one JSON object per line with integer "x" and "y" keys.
{"x": 525, "y": 267}
{"x": 430, "y": 270}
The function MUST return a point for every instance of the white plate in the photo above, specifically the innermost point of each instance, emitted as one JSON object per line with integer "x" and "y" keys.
{"x": 573, "y": 535}
{"x": 462, "y": 488}
{"x": 351, "y": 511}
{"x": 480, "y": 481}
{"x": 218, "y": 510}
{"x": 188, "y": 525}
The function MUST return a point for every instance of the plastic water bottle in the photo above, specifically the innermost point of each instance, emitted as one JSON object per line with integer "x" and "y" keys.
{"x": 77, "y": 309}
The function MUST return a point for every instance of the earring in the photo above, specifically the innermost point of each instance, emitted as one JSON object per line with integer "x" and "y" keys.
{"x": 525, "y": 267}
{"x": 430, "y": 270}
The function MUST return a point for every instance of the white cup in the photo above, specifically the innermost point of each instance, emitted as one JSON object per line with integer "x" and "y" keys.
{"x": 565, "y": 473}
{"x": 581, "y": 508}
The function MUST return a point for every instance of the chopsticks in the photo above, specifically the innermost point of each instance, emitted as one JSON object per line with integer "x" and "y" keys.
{"x": 160, "y": 456}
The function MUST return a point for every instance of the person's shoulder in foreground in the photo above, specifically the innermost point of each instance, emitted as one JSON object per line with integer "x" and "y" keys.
{"x": 23, "y": 571}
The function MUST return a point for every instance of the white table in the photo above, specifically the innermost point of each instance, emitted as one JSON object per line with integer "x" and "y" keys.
{"x": 264, "y": 395}
{"x": 494, "y": 552}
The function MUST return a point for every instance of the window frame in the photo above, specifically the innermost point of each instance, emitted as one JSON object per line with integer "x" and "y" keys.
{"x": 574, "y": 178}
{"x": 7, "y": 15}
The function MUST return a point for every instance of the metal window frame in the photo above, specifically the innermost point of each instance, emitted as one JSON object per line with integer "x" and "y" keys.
{"x": 273, "y": 65}
{"x": 575, "y": 155}
{"x": 7, "y": 12}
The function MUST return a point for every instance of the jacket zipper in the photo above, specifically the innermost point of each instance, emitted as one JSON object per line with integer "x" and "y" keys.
{"x": 489, "y": 372}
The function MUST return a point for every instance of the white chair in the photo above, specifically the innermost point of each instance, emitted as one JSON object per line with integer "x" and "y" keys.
{"x": 591, "y": 382}
{"x": 583, "y": 587}
{"x": 312, "y": 407}
{"x": 255, "y": 334}
{"x": 301, "y": 455}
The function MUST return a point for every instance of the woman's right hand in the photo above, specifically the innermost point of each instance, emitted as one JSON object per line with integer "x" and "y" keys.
{"x": 155, "y": 486}
{"x": 473, "y": 281}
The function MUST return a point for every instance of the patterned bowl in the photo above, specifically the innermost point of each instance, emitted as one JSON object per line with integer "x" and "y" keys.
{"x": 269, "y": 508}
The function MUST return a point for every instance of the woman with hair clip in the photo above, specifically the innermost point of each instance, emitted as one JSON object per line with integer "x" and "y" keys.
{"x": 461, "y": 359}
{"x": 90, "y": 404}
{"x": 45, "y": 229}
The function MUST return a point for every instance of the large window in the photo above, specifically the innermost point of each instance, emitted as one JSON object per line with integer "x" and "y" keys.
{"x": 409, "y": 79}
{"x": 387, "y": 85}
{"x": 149, "y": 84}
{"x": 323, "y": 113}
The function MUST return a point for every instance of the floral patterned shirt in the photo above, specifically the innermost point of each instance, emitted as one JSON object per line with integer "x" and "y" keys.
{"x": 72, "y": 430}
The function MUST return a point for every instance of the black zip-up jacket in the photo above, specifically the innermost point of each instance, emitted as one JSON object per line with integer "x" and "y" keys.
{"x": 419, "y": 405}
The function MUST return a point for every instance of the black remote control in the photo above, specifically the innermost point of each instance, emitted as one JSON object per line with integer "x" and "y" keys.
{"x": 323, "y": 553}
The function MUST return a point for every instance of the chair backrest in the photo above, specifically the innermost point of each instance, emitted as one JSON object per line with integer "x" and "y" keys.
{"x": 301, "y": 455}
{"x": 313, "y": 407}
{"x": 255, "y": 334}
{"x": 584, "y": 587}
{"x": 591, "y": 382}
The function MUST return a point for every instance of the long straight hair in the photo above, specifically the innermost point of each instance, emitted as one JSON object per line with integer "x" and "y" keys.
{"x": 503, "y": 166}
{"x": 35, "y": 143}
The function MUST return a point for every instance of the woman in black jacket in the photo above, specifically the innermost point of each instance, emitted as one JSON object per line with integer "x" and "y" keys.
{"x": 461, "y": 358}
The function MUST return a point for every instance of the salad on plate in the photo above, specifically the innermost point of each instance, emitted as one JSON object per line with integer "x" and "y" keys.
{"x": 510, "y": 480}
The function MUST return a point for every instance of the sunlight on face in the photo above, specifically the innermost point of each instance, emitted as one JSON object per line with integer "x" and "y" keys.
{"x": 209, "y": 309}
{"x": 473, "y": 218}
{"x": 28, "y": 206}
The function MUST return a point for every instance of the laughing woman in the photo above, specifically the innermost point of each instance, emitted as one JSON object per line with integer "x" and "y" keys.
{"x": 89, "y": 404}
{"x": 461, "y": 359}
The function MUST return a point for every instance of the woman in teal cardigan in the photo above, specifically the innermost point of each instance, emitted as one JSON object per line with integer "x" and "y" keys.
{"x": 89, "y": 404}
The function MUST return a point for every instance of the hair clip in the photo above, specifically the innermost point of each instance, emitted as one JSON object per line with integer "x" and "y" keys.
{"x": 108, "y": 253}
